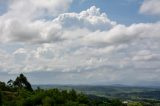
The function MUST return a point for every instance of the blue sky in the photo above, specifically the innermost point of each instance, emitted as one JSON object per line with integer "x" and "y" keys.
{"x": 122, "y": 11}
{"x": 81, "y": 41}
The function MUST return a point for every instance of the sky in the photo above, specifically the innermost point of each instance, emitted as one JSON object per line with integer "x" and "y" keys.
{"x": 88, "y": 42}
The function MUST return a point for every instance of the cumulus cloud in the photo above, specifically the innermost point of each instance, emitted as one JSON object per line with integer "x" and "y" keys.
{"x": 91, "y": 19}
{"x": 150, "y": 7}
{"x": 43, "y": 31}
{"x": 123, "y": 34}
{"x": 76, "y": 46}
{"x": 29, "y": 9}
{"x": 24, "y": 19}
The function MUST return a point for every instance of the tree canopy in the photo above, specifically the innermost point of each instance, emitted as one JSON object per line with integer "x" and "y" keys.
{"x": 22, "y": 82}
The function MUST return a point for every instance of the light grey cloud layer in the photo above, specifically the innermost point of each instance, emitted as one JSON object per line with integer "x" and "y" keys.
{"x": 150, "y": 7}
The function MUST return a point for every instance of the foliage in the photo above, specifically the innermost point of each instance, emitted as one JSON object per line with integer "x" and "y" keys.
{"x": 22, "y": 82}
{"x": 0, "y": 98}
{"x": 2, "y": 86}
{"x": 134, "y": 104}
{"x": 116, "y": 102}
{"x": 20, "y": 93}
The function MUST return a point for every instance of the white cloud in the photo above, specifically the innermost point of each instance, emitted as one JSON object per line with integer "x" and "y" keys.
{"x": 24, "y": 19}
{"x": 31, "y": 9}
{"x": 150, "y": 7}
{"x": 41, "y": 31}
{"x": 86, "y": 45}
{"x": 91, "y": 19}
{"x": 124, "y": 34}
{"x": 143, "y": 56}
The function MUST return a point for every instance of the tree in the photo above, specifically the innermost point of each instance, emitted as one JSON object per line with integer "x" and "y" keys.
{"x": 22, "y": 82}
{"x": 116, "y": 102}
{"x": 2, "y": 86}
{"x": 83, "y": 99}
{"x": 0, "y": 98}
{"x": 71, "y": 103}
{"x": 47, "y": 101}
{"x": 134, "y": 104}
{"x": 10, "y": 83}
{"x": 72, "y": 95}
